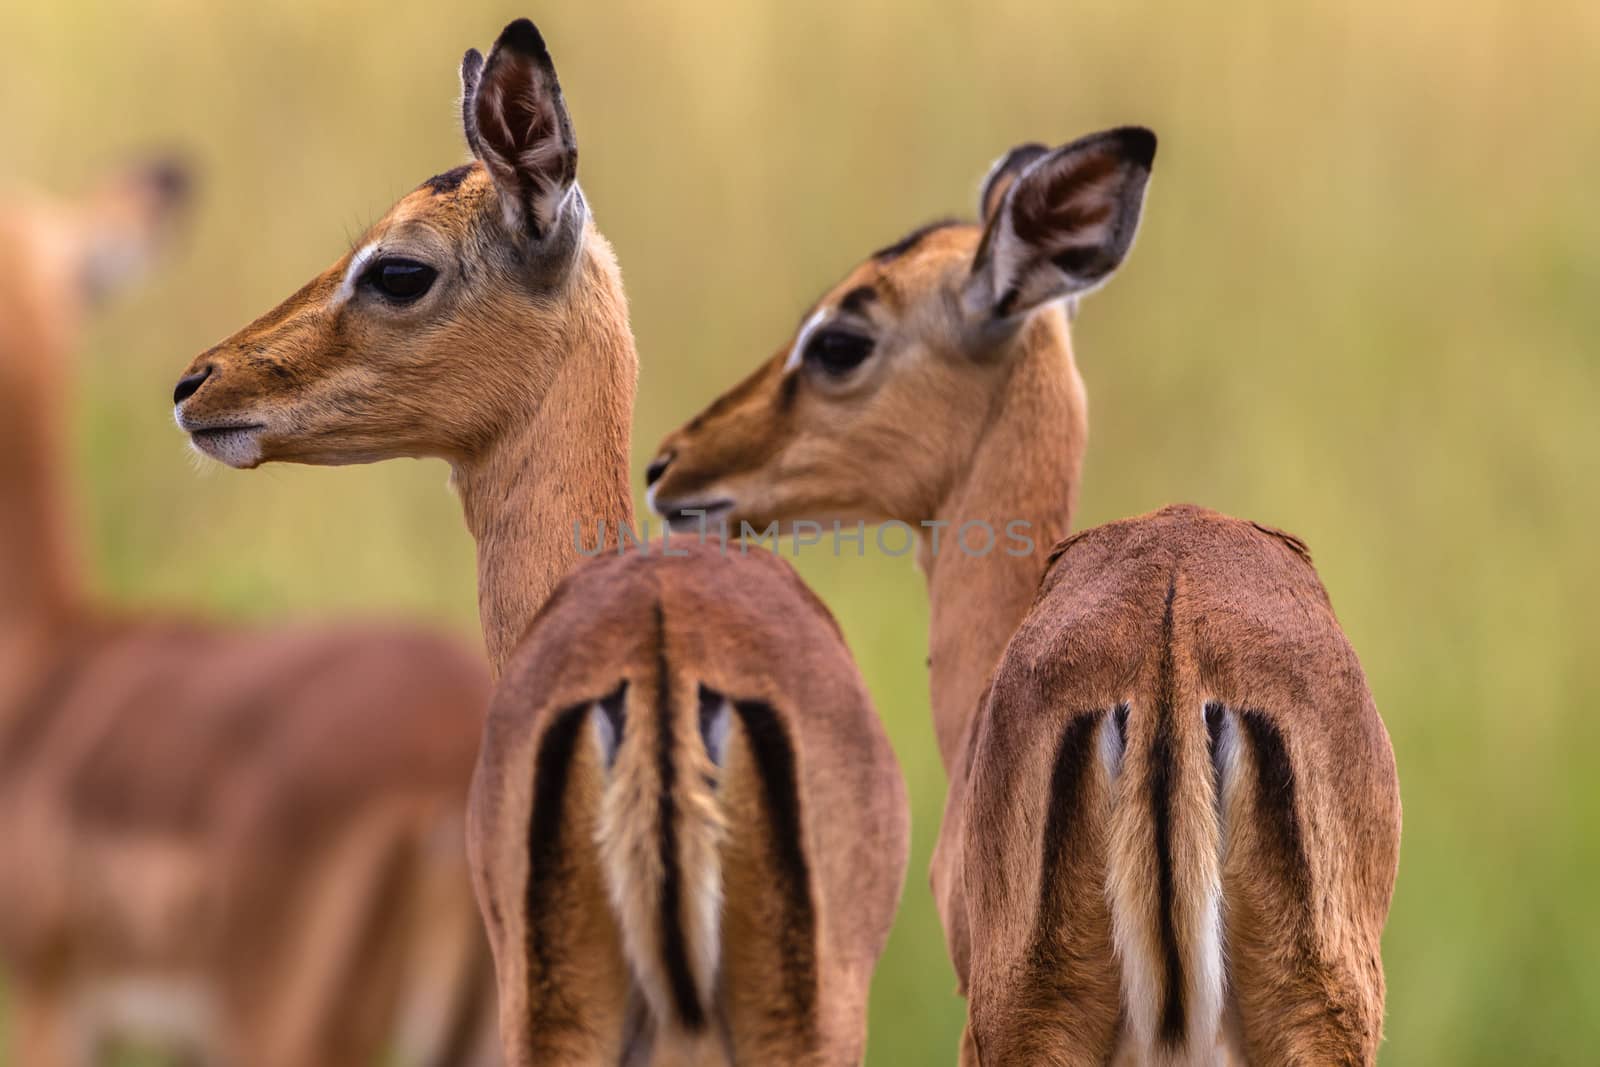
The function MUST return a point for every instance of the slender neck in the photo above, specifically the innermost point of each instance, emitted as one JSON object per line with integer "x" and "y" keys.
{"x": 39, "y": 579}
{"x": 40, "y": 582}
{"x": 564, "y": 465}
{"x": 1023, "y": 479}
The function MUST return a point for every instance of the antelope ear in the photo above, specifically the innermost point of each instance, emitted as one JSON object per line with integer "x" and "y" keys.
{"x": 1003, "y": 175}
{"x": 1057, "y": 224}
{"x": 517, "y": 124}
{"x": 471, "y": 71}
{"x": 129, "y": 220}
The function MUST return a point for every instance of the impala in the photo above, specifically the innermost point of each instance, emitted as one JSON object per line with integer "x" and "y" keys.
{"x": 1172, "y": 827}
{"x": 687, "y": 829}
{"x": 244, "y": 841}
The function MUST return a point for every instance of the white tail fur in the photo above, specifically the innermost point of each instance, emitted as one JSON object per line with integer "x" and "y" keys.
{"x": 1164, "y": 881}
{"x": 661, "y": 828}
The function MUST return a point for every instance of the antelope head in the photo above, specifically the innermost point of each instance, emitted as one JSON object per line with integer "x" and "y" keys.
{"x": 69, "y": 255}
{"x": 447, "y": 321}
{"x": 875, "y": 406}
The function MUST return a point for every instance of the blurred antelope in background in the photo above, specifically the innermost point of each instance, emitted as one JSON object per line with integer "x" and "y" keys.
{"x": 246, "y": 844}
{"x": 688, "y": 830}
{"x": 1173, "y": 821}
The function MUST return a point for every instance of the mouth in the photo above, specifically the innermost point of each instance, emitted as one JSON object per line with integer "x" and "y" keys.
{"x": 236, "y": 444}
{"x": 694, "y": 514}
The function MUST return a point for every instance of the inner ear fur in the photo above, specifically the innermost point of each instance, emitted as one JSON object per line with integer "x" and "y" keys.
{"x": 1059, "y": 223}
{"x": 516, "y": 122}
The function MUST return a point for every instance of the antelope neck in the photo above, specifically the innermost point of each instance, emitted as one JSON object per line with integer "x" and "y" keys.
{"x": 41, "y": 585}
{"x": 1026, "y": 470}
{"x": 565, "y": 465}
{"x": 40, "y": 578}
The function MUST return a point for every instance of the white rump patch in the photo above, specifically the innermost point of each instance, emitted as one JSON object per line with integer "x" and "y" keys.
{"x": 1111, "y": 744}
{"x": 715, "y": 722}
{"x": 604, "y": 733}
{"x": 1206, "y": 987}
{"x": 1225, "y": 760}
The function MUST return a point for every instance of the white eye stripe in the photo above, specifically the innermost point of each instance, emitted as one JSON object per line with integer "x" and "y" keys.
{"x": 798, "y": 352}
{"x": 352, "y": 274}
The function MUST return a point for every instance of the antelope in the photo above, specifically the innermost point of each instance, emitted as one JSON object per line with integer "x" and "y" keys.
{"x": 687, "y": 830}
{"x": 1172, "y": 827}
{"x": 244, "y": 843}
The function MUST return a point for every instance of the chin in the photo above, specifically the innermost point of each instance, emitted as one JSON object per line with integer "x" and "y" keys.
{"x": 239, "y": 448}
{"x": 232, "y": 440}
{"x": 710, "y": 506}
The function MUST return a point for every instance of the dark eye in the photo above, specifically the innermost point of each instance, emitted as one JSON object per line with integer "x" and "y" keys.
{"x": 838, "y": 351}
{"x": 401, "y": 280}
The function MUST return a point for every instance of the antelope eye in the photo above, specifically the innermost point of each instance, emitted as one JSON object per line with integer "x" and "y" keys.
{"x": 838, "y": 352}
{"x": 401, "y": 280}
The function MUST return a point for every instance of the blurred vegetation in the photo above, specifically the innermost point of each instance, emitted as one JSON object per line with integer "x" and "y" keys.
{"x": 1363, "y": 307}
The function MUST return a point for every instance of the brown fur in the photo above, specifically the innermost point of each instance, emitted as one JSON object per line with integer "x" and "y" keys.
{"x": 911, "y": 442}
{"x": 790, "y": 986}
{"x": 356, "y": 382}
{"x": 970, "y": 407}
{"x": 1309, "y": 858}
{"x": 518, "y": 368}
{"x": 266, "y": 822}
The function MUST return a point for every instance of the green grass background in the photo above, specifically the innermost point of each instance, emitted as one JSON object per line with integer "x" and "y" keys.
{"x": 1365, "y": 306}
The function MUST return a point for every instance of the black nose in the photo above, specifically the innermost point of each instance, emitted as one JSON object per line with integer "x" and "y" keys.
{"x": 657, "y": 468}
{"x": 189, "y": 384}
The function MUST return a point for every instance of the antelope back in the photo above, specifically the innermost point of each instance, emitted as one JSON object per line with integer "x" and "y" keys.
{"x": 709, "y": 851}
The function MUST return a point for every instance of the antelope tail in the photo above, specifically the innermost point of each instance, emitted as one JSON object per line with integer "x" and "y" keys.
{"x": 1164, "y": 881}
{"x": 660, "y": 832}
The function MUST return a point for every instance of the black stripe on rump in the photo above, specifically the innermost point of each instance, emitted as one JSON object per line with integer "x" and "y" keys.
{"x": 1216, "y": 712}
{"x": 674, "y": 949}
{"x": 546, "y": 849}
{"x": 777, "y": 768}
{"x": 1059, "y": 849}
{"x": 1162, "y": 771}
{"x": 1275, "y": 793}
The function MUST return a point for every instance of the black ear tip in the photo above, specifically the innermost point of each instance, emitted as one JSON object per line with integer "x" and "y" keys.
{"x": 524, "y": 37}
{"x": 472, "y": 62}
{"x": 1138, "y": 143}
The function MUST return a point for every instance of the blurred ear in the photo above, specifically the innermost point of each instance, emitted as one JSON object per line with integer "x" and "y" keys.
{"x": 1058, "y": 223}
{"x": 517, "y": 124}
{"x": 129, "y": 220}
